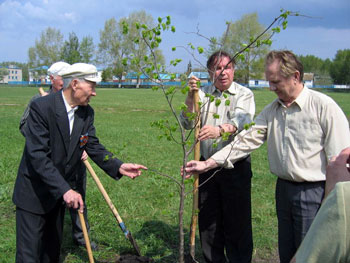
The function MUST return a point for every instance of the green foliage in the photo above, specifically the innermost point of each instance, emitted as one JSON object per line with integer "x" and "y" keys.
{"x": 241, "y": 33}
{"x": 340, "y": 69}
{"x": 47, "y": 49}
{"x": 70, "y": 52}
{"x": 3, "y": 73}
{"x": 87, "y": 49}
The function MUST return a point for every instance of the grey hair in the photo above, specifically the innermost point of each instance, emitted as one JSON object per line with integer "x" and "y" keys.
{"x": 67, "y": 81}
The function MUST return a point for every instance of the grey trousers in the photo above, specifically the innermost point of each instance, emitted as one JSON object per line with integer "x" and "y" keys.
{"x": 297, "y": 205}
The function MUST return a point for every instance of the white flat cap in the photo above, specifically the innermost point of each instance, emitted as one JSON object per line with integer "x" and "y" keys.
{"x": 83, "y": 71}
{"x": 57, "y": 68}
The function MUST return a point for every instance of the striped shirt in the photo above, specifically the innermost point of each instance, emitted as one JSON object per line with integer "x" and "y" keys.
{"x": 240, "y": 111}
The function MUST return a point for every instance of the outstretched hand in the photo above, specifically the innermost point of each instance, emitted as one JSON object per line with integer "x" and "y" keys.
{"x": 208, "y": 132}
{"x": 131, "y": 170}
{"x": 198, "y": 167}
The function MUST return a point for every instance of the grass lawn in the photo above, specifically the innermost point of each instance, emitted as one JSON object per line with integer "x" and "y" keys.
{"x": 149, "y": 204}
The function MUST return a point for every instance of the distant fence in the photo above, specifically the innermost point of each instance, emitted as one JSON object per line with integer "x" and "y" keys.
{"x": 151, "y": 84}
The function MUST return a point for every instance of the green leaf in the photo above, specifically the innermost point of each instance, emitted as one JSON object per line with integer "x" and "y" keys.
{"x": 284, "y": 24}
{"x": 227, "y": 102}
{"x": 159, "y": 20}
{"x": 225, "y": 136}
{"x": 173, "y": 48}
{"x": 183, "y": 107}
{"x": 173, "y": 29}
{"x": 216, "y": 116}
{"x": 200, "y": 50}
{"x": 185, "y": 89}
{"x": 217, "y": 102}
{"x": 276, "y": 29}
{"x": 170, "y": 90}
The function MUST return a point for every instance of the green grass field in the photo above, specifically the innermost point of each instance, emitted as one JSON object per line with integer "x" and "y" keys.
{"x": 148, "y": 204}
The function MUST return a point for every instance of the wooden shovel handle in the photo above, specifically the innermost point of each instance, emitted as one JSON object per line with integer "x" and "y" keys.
{"x": 196, "y": 179}
{"x": 103, "y": 191}
{"x": 86, "y": 237}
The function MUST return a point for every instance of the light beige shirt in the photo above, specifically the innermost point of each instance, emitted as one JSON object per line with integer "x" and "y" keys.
{"x": 240, "y": 111}
{"x": 300, "y": 138}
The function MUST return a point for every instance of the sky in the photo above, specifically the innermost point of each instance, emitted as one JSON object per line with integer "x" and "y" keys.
{"x": 323, "y": 29}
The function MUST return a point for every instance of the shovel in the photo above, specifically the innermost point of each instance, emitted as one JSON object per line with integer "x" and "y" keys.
{"x": 86, "y": 237}
{"x": 112, "y": 207}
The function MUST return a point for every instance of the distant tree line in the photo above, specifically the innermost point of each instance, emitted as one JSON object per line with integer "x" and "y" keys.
{"x": 115, "y": 48}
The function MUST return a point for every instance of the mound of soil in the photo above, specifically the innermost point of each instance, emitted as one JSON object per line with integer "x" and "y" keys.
{"x": 133, "y": 259}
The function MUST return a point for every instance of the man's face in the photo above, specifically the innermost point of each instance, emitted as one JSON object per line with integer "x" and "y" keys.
{"x": 282, "y": 86}
{"x": 57, "y": 83}
{"x": 222, "y": 74}
{"x": 83, "y": 91}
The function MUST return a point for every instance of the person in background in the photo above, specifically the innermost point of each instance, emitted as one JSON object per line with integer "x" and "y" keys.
{"x": 302, "y": 128}
{"x": 54, "y": 73}
{"x": 60, "y": 127}
{"x": 224, "y": 218}
{"x": 328, "y": 239}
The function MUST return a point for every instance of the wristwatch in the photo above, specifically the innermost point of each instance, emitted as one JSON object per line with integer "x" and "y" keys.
{"x": 222, "y": 130}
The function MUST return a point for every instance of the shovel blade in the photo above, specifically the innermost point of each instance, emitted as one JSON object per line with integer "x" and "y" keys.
{"x": 133, "y": 242}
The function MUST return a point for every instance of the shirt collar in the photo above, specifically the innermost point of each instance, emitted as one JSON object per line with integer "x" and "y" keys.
{"x": 300, "y": 100}
{"x": 231, "y": 90}
{"x": 68, "y": 107}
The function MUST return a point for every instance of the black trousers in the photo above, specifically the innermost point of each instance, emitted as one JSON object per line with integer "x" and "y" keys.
{"x": 79, "y": 186}
{"x": 39, "y": 237}
{"x": 297, "y": 205}
{"x": 225, "y": 214}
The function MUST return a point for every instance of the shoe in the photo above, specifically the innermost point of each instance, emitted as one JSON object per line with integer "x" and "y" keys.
{"x": 94, "y": 246}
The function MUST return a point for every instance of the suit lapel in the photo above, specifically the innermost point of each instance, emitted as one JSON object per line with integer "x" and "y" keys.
{"x": 77, "y": 131}
{"x": 62, "y": 119}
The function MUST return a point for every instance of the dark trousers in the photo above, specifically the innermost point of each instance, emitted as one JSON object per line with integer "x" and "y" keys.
{"x": 225, "y": 214}
{"x": 39, "y": 237}
{"x": 296, "y": 206}
{"x": 80, "y": 187}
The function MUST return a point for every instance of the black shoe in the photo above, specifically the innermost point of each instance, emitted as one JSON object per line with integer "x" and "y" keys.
{"x": 94, "y": 246}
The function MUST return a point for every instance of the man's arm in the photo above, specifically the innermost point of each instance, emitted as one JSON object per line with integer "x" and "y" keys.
{"x": 335, "y": 127}
{"x": 23, "y": 121}
{"x": 38, "y": 150}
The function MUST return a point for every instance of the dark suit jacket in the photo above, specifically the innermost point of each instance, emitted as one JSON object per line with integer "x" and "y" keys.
{"x": 51, "y": 156}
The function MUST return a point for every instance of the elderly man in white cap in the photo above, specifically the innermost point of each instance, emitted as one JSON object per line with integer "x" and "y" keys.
{"x": 60, "y": 127}
{"x": 55, "y": 72}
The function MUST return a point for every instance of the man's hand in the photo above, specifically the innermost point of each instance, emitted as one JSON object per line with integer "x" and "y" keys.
{"x": 338, "y": 170}
{"x": 208, "y": 132}
{"x": 131, "y": 170}
{"x": 84, "y": 156}
{"x": 42, "y": 92}
{"x": 198, "y": 167}
{"x": 73, "y": 200}
{"x": 192, "y": 83}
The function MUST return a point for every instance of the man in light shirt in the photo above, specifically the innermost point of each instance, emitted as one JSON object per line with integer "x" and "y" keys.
{"x": 224, "y": 194}
{"x": 328, "y": 239}
{"x": 303, "y": 129}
